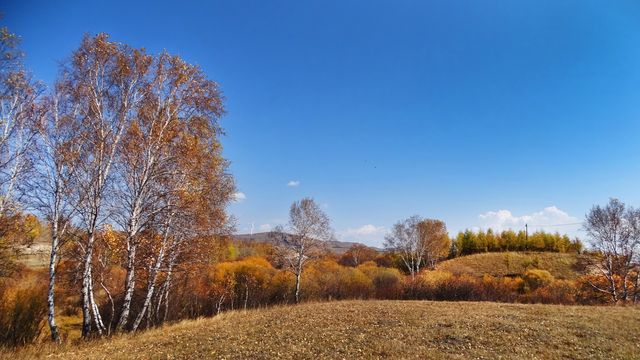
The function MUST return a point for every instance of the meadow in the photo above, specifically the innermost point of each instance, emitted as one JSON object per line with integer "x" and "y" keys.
{"x": 378, "y": 329}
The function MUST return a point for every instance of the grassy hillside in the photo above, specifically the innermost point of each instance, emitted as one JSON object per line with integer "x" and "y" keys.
{"x": 381, "y": 329}
{"x": 566, "y": 266}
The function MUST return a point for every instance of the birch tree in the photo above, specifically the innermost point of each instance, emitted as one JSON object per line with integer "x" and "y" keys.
{"x": 404, "y": 239}
{"x": 174, "y": 133}
{"x": 19, "y": 110}
{"x": 19, "y": 113}
{"x": 418, "y": 242}
{"x": 614, "y": 231}
{"x": 102, "y": 79}
{"x": 202, "y": 194}
{"x": 50, "y": 184}
{"x": 435, "y": 239}
{"x": 303, "y": 238}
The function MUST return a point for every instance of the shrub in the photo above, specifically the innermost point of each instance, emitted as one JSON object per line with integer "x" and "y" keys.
{"x": 586, "y": 293}
{"x": 22, "y": 310}
{"x": 326, "y": 279}
{"x": 557, "y": 292}
{"x": 387, "y": 282}
{"x": 536, "y": 278}
{"x": 442, "y": 285}
{"x": 501, "y": 289}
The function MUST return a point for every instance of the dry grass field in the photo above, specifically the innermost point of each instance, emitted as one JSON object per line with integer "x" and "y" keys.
{"x": 566, "y": 266}
{"x": 380, "y": 329}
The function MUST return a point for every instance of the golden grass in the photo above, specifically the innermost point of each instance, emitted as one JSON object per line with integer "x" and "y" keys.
{"x": 380, "y": 329}
{"x": 561, "y": 265}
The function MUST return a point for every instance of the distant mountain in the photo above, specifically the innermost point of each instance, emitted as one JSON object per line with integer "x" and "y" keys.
{"x": 338, "y": 247}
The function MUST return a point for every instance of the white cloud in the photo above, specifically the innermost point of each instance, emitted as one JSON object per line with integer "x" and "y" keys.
{"x": 293, "y": 183}
{"x": 265, "y": 227}
{"x": 504, "y": 219}
{"x": 367, "y": 234}
{"x": 367, "y": 230}
{"x": 239, "y": 197}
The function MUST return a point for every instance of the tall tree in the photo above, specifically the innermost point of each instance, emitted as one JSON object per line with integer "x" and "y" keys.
{"x": 418, "y": 242}
{"x": 50, "y": 185}
{"x": 433, "y": 234}
{"x": 303, "y": 238}
{"x": 177, "y": 98}
{"x": 103, "y": 81}
{"x": 19, "y": 113}
{"x": 614, "y": 231}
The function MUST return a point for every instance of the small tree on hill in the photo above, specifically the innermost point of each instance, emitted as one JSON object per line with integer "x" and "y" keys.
{"x": 303, "y": 238}
{"x": 418, "y": 242}
{"x": 615, "y": 233}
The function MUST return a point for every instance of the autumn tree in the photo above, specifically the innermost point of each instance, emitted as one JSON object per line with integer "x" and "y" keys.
{"x": 418, "y": 242}
{"x": 178, "y": 105}
{"x": 19, "y": 112}
{"x": 102, "y": 80}
{"x": 358, "y": 254}
{"x": 303, "y": 238}
{"x": 435, "y": 239}
{"x": 196, "y": 217}
{"x": 614, "y": 231}
{"x": 50, "y": 186}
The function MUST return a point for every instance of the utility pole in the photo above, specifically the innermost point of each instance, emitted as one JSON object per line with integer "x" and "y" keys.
{"x": 526, "y": 234}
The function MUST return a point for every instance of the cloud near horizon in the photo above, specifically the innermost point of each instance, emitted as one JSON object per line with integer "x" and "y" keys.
{"x": 368, "y": 234}
{"x": 504, "y": 220}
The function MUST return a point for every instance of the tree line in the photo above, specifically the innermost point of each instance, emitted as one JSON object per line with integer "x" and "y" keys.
{"x": 472, "y": 242}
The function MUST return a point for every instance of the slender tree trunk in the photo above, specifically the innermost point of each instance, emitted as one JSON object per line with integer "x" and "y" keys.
{"x": 167, "y": 288}
{"x": 246, "y": 295}
{"x": 129, "y": 286}
{"x": 86, "y": 287}
{"x": 152, "y": 279}
{"x": 95, "y": 310}
{"x": 297, "y": 293}
{"x": 220, "y": 301}
{"x": 150, "y": 290}
{"x": 51, "y": 317}
{"x": 113, "y": 307}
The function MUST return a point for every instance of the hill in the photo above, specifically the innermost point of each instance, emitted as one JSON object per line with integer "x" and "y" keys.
{"x": 380, "y": 329}
{"x": 338, "y": 247}
{"x": 565, "y": 266}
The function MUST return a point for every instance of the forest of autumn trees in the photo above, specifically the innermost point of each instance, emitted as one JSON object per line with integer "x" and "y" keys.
{"x": 119, "y": 166}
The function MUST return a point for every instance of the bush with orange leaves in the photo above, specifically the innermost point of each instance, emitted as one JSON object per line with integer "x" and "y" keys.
{"x": 555, "y": 292}
{"x": 442, "y": 285}
{"x": 504, "y": 289}
{"x": 387, "y": 282}
{"x": 23, "y": 308}
{"x": 327, "y": 280}
{"x": 247, "y": 283}
{"x": 586, "y": 289}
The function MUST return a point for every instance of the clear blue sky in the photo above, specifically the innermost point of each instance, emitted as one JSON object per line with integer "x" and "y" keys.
{"x": 383, "y": 109}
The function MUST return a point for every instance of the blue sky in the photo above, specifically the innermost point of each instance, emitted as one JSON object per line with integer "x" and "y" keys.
{"x": 479, "y": 113}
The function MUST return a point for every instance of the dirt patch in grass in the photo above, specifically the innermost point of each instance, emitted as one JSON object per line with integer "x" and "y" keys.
{"x": 380, "y": 329}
